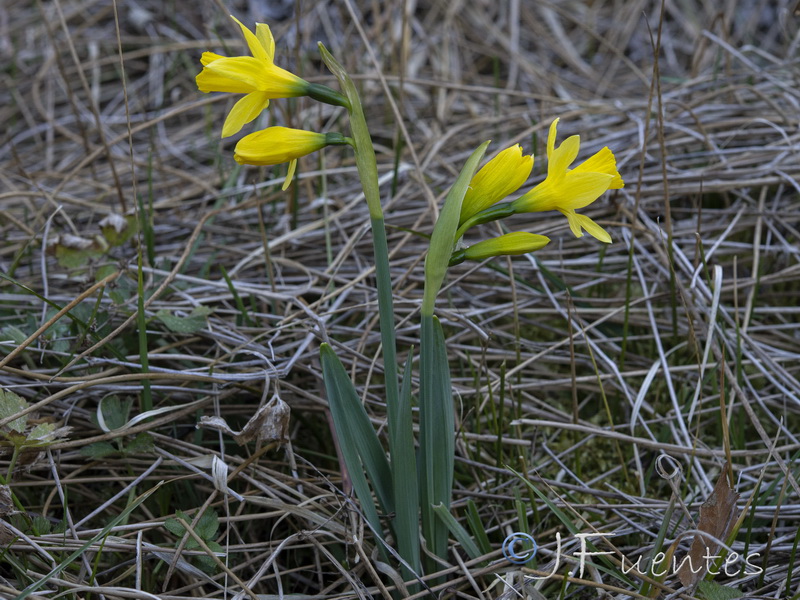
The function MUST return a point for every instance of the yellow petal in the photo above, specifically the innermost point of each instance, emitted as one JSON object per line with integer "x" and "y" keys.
{"x": 562, "y": 157}
{"x": 243, "y": 69}
{"x": 594, "y": 229}
{"x": 577, "y": 190}
{"x": 603, "y": 162}
{"x": 276, "y": 145}
{"x": 266, "y": 40}
{"x": 289, "y": 175}
{"x": 574, "y": 223}
{"x": 256, "y": 49}
{"x": 501, "y": 176}
{"x": 551, "y": 138}
{"x": 209, "y": 57}
{"x": 578, "y": 222}
{"x": 244, "y": 111}
{"x": 517, "y": 242}
{"x": 209, "y": 80}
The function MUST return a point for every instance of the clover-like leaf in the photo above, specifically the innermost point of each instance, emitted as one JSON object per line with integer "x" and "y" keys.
{"x": 10, "y": 405}
{"x": 208, "y": 525}
{"x": 174, "y": 526}
{"x": 73, "y": 251}
{"x": 99, "y": 450}
{"x": 195, "y": 321}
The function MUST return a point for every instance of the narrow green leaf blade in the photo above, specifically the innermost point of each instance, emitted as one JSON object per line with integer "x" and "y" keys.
{"x": 443, "y": 236}
{"x": 404, "y": 477}
{"x": 476, "y": 526}
{"x": 461, "y": 534}
{"x": 437, "y": 433}
{"x": 70, "y": 560}
{"x": 358, "y": 442}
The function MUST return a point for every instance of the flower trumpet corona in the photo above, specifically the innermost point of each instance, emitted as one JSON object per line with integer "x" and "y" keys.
{"x": 501, "y": 176}
{"x": 258, "y": 77}
{"x": 566, "y": 190}
{"x": 276, "y": 145}
{"x": 517, "y": 242}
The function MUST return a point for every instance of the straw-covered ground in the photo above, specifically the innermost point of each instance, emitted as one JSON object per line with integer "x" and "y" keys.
{"x": 153, "y": 292}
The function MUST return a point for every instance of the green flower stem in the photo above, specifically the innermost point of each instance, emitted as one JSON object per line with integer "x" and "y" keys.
{"x": 323, "y": 93}
{"x": 401, "y": 441}
{"x": 368, "y": 172}
{"x": 493, "y": 213}
{"x": 337, "y": 139}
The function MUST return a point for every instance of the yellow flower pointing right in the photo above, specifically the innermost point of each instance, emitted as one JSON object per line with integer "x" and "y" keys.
{"x": 566, "y": 190}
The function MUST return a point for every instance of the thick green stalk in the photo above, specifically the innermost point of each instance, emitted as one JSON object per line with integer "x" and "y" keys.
{"x": 401, "y": 441}
{"x": 368, "y": 172}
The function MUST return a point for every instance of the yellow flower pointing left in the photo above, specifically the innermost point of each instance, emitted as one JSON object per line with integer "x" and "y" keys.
{"x": 276, "y": 145}
{"x": 258, "y": 77}
{"x": 566, "y": 190}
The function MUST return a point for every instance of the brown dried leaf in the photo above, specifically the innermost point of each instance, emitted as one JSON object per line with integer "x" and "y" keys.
{"x": 6, "y": 535}
{"x": 6, "y": 503}
{"x": 717, "y": 517}
{"x": 269, "y": 424}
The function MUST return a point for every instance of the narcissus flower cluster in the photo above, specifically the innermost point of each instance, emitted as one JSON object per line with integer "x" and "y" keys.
{"x": 261, "y": 80}
{"x": 565, "y": 190}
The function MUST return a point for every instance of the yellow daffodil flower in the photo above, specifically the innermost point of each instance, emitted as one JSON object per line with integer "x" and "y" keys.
{"x": 517, "y": 242}
{"x": 566, "y": 190}
{"x": 258, "y": 77}
{"x": 501, "y": 176}
{"x": 276, "y": 145}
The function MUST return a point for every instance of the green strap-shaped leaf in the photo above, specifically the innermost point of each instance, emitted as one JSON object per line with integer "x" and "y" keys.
{"x": 437, "y": 444}
{"x": 437, "y": 433}
{"x": 404, "y": 477}
{"x": 361, "y": 450}
{"x": 477, "y": 527}
{"x": 462, "y": 535}
{"x": 444, "y": 232}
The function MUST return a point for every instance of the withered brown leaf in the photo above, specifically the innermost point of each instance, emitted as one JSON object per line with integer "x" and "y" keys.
{"x": 717, "y": 517}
